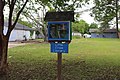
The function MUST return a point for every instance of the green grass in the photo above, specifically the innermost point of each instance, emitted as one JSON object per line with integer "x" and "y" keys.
{"x": 88, "y": 59}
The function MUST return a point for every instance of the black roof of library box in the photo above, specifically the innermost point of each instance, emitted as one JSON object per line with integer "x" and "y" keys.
{"x": 60, "y": 16}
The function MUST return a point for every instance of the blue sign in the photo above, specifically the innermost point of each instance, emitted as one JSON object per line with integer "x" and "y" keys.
{"x": 59, "y": 47}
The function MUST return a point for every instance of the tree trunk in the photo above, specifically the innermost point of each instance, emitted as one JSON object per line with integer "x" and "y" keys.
{"x": 117, "y": 28}
{"x": 3, "y": 57}
{"x": 3, "y": 41}
{"x": 0, "y": 48}
{"x": 4, "y": 38}
{"x": 45, "y": 34}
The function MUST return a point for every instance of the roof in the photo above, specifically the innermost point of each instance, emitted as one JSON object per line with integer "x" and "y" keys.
{"x": 19, "y": 26}
{"x": 93, "y": 30}
{"x": 107, "y": 30}
{"x": 59, "y": 16}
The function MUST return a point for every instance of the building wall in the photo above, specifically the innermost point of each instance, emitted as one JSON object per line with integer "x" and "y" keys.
{"x": 104, "y": 35}
{"x": 18, "y": 34}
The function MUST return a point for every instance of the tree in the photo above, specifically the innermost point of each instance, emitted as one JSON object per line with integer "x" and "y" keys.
{"x": 23, "y": 22}
{"x": 36, "y": 14}
{"x": 105, "y": 11}
{"x": 4, "y": 38}
{"x": 93, "y": 26}
{"x": 80, "y": 26}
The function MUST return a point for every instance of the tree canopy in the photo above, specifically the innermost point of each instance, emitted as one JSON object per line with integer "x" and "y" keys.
{"x": 93, "y": 26}
{"x": 36, "y": 10}
{"x": 80, "y": 26}
{"x": 105, "y": 10}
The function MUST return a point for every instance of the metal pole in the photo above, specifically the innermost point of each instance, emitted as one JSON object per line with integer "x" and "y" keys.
{"x": 59, "y": 66}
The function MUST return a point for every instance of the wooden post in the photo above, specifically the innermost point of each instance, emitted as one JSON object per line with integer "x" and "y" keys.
{"x": 59, "y": 66}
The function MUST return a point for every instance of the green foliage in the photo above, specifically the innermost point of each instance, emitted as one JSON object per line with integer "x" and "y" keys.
{"x": 66, "y": 5}
{"x": 88, "y": 59}
{"x": 80, "y": 26}
{"x": 104, "y": 11}
{"x": 93, "y": 26}
{"x": 76, "y": 37}
{"x": 37, "y": 33}
{"x": 25, "y": 23}
{"x": 119, "y": 22}
{"x": 31, "y": 33}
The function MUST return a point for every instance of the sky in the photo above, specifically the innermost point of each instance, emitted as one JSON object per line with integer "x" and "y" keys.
{"x": 86, "y": 15}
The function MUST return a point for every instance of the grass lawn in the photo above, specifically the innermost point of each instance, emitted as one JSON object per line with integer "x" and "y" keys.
{"x": 88, "y": 59}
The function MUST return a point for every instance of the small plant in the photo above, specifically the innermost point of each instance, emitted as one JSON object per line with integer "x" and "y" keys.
{"x": 76, "y": 37}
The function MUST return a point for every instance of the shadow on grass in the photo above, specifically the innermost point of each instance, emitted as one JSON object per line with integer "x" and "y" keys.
{"x": 71, "y": 70}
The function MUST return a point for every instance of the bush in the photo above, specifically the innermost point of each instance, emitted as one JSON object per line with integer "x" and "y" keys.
{"x": 76, "y": 37}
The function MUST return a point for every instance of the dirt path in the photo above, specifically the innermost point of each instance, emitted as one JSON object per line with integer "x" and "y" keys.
{"x": 14, "y": 44}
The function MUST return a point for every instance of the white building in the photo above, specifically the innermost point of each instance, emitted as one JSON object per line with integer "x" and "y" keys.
{"x": 20, "y": 32}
